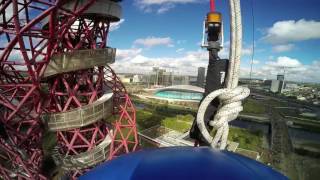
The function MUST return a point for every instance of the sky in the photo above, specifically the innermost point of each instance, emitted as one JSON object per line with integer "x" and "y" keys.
{"x": 167, "y": 33}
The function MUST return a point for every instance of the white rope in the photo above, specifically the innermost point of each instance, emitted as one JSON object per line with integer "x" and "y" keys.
{"x": 230, "y": 97}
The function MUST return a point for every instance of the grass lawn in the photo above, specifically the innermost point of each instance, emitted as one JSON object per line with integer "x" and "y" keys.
{"x": 252, "y": 106}
{"x": 149, "y": 117}
{"x": 163, "y": 106}
{"x": 175, "y": 124}
{"x": 275, "y": 103}
{"x": 187, "y": 118}
{"x": 246, "y": 139}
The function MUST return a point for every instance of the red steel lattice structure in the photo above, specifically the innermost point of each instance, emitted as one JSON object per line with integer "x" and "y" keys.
{"x": 33, "y": 33}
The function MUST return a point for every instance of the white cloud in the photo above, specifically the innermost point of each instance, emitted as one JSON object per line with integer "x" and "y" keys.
{"x": 165, "y": 8}
{"x": 255, "y": 62}
{"x": 224, "y": 53}
{"x": 160, "y": 2}
{"x": 161, "y": 6}
{"x": 132, "y": 60}
{"x": 116, "y": 25}
{"x": 127, "y": 54}
{"x": 284, "y": 61}
{"x": 247, "y": 51}
{"x": 154, "y": 41}
{"x": 282, "y": 48}
{"x": 292, "y": 31}
{"x": 295, "y": 70}
{"x": 180, "y": 50}
{"x": 312, "y": 72}
{"x": 270, "y": 58}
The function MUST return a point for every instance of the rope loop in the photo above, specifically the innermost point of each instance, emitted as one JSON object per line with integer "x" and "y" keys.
{"x": 229, "y": 109}
{"x": 231, "y": 96}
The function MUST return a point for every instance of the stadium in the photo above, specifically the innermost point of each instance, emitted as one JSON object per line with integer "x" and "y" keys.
{"x": 180, "y": 93}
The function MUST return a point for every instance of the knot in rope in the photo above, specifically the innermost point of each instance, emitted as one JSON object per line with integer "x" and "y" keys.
{"x": 230, "y": 105}
{"x": 228, "y": 110}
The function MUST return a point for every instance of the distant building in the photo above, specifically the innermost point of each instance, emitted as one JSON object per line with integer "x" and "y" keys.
{"x": 201, "y": 76}
{"x": 131, "y": 78}
{"x": 291, "y": 86}
{"x": 301, "y": 98}
{"x": 276, "y": 86}
{"x": 160, "y": 77}
{"x": 267, "y": 82}
{"x": 193, "y": 80}
{"x": 249, "y": 81}
{"x": 137, "y": 79}
{"x": 180, "y": 80}
{"x": 280, "y": 77}
{"x": 186, "y": 80}
{"x": 125, "y": 78}
{"x": 166, "y": 78}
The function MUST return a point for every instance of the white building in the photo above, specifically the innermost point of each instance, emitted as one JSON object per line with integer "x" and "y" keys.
{"x": 275, "y": 85}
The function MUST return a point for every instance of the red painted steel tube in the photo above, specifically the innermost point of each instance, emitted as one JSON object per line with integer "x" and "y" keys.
{"x": 212, "y": 6}
{"x": 29, "y": 44}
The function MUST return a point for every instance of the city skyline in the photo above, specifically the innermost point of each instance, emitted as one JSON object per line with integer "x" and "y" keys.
{"x": 149, "y": 42}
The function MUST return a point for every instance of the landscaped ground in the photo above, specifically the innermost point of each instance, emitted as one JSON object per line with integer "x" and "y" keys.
{"x": 251, "y": 106}
{"x": 171, "y": 118}
{"x": 246, "y": 139}
{"x": 181, "y": 123}
{"x": 147, "y": 118}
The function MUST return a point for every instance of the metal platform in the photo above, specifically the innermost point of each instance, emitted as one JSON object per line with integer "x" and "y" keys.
{"x": 82, "y": 116}
{"x": 80, "y": 59}
{"x": 87, "y": 159}
{"x": 101, "y": 8}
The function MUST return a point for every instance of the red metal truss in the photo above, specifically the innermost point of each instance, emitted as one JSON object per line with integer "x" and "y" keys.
{"x": 30, "y": 32}
{"x": 125, "y": 137}
{"x": 65, "y": 94}
{"x": 78, "y": 88}
{"x": 75, "y": 89}
{"x": 23, "y": 55}
{"x": 16, "y": 165}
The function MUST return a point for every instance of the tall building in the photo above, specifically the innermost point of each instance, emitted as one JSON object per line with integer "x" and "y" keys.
{"x": 280, "y": 77}
{"x": 160, "y": 77}
{"x": 193, "y": 80}
{"x": 180, "y": 80}
{"x": 166, "y": 78}
{"x": 276, "y": 86}
{"x": 201, "y": 76}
